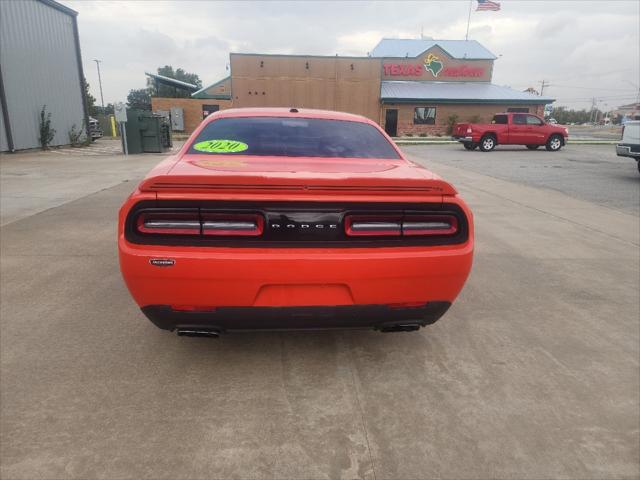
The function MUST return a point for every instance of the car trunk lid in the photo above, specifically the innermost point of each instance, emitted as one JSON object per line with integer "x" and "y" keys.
{"x": 294, "y": 175}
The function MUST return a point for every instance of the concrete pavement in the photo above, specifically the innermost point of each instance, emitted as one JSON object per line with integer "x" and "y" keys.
{"x": 533, "y": 373}
{"x": 31, "y": 182}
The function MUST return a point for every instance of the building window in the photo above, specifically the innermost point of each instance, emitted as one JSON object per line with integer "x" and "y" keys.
{"x": 424, "y": 115}
{"x": 518, "y": 109}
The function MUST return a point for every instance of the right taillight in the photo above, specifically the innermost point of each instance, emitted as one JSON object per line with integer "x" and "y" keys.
{"x": 400, "y": 225}
{"x": 429, "y": 225}
{"x": 373, "y": 225}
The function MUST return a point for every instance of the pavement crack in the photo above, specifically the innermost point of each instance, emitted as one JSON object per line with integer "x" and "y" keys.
{"x": 360, "y": 410}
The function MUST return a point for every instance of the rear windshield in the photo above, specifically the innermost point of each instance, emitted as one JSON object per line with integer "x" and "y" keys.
{"x": 292, "y": 137}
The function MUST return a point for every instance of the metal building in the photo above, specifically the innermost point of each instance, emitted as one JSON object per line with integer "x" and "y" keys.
{"x": 40, "y": 64}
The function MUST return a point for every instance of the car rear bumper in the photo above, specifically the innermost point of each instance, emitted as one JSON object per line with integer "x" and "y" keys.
{"x": 226, "y": 319}
{"x": 269, "y": 277}
{"x": 462, "y": 139}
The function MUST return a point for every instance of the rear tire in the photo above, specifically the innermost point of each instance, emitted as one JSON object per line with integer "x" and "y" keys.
{"x": 470, "y": 145}
{"x": 487, "y": 143}
{"x": 554, "y": 143}
{"x": 533, "y": 147}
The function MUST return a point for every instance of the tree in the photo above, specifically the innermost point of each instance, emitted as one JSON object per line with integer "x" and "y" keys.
{"x": 46, "y": 132}
{"x": 108, "y": 109}
{"x": 139, "y": 99}
{"x": 169, "y": 91}
{"x": 565, "y": 116}
{"x": 90, "y": 99}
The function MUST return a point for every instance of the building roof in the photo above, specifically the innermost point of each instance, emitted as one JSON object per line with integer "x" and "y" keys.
{"x": 630, "y": 106}
{"x": 172, "y": 82}
{"x": 60, "y": 7}
{"x": 202, "y": 93}
{"x": 413, "y": 47}
{"x": 455, "y": 92}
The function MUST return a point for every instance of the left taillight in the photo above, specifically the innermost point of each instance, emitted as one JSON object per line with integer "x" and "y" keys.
{"x": 195, "y": 222}
{"x": 223, "y": 224}
{"x": 169, "y": 223}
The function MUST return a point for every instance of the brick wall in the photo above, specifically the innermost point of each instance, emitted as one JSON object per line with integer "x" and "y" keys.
{"x": 468, "y": 112}
{"x": 191, "y": 107}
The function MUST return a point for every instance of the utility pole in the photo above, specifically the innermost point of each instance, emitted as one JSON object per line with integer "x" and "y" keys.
{"x": 593, "y": 106}
{"x": 543, "y": 84}
{"x": 100, "y": 83}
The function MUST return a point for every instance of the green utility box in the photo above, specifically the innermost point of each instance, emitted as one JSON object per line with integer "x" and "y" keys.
{"x": 147, "y": 132}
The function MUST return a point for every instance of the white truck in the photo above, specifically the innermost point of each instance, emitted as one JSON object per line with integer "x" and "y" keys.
{"x": 629, "y": 145}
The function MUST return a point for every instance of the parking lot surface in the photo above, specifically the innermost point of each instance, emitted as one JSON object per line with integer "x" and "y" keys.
{"x": 588, "y": 172}
{"x": 533, "y": 373}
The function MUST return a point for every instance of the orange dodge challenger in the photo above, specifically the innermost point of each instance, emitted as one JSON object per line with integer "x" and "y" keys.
{"x": 293, "y": 219}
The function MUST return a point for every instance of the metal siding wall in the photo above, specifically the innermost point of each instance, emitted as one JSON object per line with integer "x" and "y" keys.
{"x": 4, "y": 145}
{"x": 39, "y": 67}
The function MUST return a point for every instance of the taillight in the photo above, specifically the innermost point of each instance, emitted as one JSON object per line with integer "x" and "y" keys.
{"x": 469, "y": 130}
{"x": 251, "y": 225}
{"x": 372, "y": 225}
{"x": 169, "y": 223}
{"x": 194, "y": 222}
{"x": 406, "y": 225}
{"x": 430, "y": 225}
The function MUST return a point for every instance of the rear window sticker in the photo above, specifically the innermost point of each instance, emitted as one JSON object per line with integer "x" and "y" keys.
{"x": 220, "y": 146}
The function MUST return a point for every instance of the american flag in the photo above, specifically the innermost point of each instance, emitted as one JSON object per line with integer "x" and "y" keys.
{"x": 487, "y": 5}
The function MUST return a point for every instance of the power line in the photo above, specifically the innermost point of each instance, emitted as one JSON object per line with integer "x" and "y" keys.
{"x": 602, "y": 97}
{"x": 592, "y": 88}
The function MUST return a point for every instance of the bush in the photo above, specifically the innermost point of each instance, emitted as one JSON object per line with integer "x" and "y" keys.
{"x": 423, "y": 134}
{"x": 451, "y": 121}
{"x": 409, "y": 135}
{"x": 46, "y": 132}
{"x": 77, "y": 137}
{"x": 474, "y": 119}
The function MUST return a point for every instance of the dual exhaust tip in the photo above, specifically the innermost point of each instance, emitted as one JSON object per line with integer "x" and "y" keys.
{"x": 213, "y": 333}
{"x": 198, "y": 332}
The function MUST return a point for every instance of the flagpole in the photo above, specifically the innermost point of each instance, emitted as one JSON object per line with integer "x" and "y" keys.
{"x": 466, "y": 37}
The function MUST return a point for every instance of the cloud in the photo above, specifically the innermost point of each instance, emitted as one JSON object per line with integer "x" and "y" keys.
{"x": 583, "y": 49}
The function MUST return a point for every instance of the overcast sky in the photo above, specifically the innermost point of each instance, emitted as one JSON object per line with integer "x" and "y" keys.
{"x": 584, "y": 49}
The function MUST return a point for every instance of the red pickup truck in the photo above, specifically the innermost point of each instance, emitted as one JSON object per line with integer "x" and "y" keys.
{"x": 511, "y": 129}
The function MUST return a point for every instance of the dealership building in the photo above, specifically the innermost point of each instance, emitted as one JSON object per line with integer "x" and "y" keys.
{"x": 408, "y": 86}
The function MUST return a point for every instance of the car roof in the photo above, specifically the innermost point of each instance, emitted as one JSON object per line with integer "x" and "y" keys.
{"x": 291, "y": 112}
